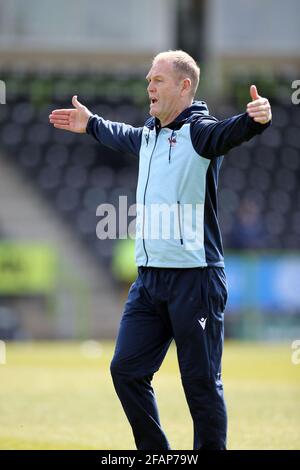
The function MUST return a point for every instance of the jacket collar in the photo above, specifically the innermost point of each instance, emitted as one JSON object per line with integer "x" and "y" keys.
{"x": 197, "y": 108}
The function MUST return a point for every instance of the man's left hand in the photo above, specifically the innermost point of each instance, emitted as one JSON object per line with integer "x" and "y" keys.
{"x": 259, "y": 108}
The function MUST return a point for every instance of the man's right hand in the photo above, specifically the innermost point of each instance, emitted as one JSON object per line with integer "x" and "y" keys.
{"x": 74, "y": 120}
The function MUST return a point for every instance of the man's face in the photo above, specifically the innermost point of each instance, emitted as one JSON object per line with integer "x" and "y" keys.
{"x": 164, "y": 89}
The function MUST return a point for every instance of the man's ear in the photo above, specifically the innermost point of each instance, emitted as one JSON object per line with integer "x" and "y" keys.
{"x": 186, "y": 86}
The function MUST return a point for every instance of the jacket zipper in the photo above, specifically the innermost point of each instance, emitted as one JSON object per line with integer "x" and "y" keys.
{"x": 143, "y": 233}
{"x": 170, "y": 146}
{"x": 179, "y": 222}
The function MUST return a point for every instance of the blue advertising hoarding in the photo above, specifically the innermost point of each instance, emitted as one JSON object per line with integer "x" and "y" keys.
{"x": 266, "y": 282}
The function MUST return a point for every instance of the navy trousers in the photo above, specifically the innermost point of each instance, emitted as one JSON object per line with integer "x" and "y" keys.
{"x": 186, "y": 305}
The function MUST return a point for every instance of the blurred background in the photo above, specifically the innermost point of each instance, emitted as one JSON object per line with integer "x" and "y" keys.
{"x": 57, "y": 279}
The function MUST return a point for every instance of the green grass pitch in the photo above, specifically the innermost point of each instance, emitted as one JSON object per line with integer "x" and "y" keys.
{"x": 52, "y": 396}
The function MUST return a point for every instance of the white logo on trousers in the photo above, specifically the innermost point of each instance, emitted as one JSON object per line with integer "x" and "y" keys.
{"x": 202, "y": 322}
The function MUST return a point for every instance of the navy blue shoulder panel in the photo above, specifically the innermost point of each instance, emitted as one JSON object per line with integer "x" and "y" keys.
{"x": 212, "y": 234}
{"x": 212, "y": 138}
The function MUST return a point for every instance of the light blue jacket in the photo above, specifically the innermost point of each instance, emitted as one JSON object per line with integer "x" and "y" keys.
{"x": 177, "y": 210}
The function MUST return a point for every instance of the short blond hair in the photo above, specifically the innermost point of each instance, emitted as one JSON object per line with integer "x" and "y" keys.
{"x": 184, "y": 65}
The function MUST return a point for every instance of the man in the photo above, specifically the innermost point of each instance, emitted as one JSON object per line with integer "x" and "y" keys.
{"x": 180, "y": 292}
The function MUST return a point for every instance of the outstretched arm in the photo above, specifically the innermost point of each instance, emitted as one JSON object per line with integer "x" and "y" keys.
{"x": 212, "y": 138}
{"x": 115, "y": 135}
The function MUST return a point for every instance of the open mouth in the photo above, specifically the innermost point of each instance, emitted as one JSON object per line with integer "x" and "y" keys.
{"x": 153, "y": 100}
